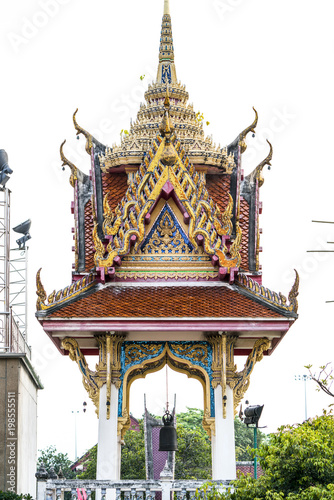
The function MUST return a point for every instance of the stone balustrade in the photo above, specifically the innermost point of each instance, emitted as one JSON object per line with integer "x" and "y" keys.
{"x": 53, "y": 489}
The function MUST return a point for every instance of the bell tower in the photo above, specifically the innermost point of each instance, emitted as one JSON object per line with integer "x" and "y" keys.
{"x": 166, "y": 270}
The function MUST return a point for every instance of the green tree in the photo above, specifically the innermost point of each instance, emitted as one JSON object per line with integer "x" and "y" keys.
{"x": 297, "y": 462}
{"x": 90, "y": 465}
{"x": 192, "y": 418}
{"x": 7, "y": 495}
{"x": 244, "y": 440}
{"x": 193, "y": 458}
{"x": 51, "y": 458}
{"x": 133, "y": 455}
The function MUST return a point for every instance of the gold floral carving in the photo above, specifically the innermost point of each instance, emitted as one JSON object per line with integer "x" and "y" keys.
{"x": 123, "y": 424}
{"x": 134, "y": 352}
{"x": 209, "y": 424}
{"x": 226, "y": 218}
{"x": 197, "y": 352}
{"x": 239, "y": 381}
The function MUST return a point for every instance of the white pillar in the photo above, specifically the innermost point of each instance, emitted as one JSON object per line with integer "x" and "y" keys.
{"x": 41, "y": 489}
{"x": 108, "y": 465}
{"x": 166, "y": 478}
{"x": 223, "y": 443}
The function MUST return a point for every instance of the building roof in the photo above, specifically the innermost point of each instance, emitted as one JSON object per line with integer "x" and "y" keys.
{"x": 161, "y": 301}
{"x": 166, "y": 225}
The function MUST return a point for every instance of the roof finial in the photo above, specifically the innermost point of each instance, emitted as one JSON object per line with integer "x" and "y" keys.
{"x": 166, "y": 69}
{"x": 166, "y": 8}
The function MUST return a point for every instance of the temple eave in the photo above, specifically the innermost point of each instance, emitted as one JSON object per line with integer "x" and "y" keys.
{"x": 247, "y": 330}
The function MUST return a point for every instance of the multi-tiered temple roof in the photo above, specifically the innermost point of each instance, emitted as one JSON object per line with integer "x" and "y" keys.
{"x": 166, "y": 231}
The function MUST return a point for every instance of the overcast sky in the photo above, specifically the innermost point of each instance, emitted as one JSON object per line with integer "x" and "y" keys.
{"x": 276, "y": 55}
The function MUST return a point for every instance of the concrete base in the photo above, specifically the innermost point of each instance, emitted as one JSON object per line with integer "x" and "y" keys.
{"x": 18, "y": 424}
{"x": 223, "y": 441}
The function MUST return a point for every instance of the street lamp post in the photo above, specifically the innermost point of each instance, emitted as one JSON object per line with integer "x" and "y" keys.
{"x": 75, "y": 434}
{"x": 252, "y": 417}
{"x": 75, "y": 413}
{"x": 304, "y": 378}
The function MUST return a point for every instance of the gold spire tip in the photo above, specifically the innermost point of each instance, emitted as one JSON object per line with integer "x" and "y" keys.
{"x": 166, "y": 8}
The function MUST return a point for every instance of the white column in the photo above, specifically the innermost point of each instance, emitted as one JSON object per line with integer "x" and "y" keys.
{"x": 223, "y": 443}
{"x": 109, "y": 446}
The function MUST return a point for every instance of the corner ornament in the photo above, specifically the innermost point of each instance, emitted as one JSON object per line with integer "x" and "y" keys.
{"x": 240, "y": 381}
{"x": 256, "y": 174}
{"x": 74, "y": 169}
{"x": 243, "y": 135}
{"x": 41, "y": 293}
{"x": 294, "y": 294}
{"x": 80, "y": 130}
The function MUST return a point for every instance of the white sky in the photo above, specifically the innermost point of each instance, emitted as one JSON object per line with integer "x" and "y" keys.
{"x": 276, "y": 55}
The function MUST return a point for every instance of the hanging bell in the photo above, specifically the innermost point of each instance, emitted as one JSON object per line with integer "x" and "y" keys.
{"x": 167, "y": 436}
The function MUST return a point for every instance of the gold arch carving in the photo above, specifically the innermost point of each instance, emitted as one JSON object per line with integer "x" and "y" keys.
{"x": 176, "y": 363}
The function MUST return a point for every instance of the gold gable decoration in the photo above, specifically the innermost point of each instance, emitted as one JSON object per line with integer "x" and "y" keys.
{"x": 166, "y": 170}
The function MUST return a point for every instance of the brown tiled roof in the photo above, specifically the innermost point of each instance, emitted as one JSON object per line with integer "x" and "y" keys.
{"x": 89, "y": 244}
{"x": 218, "y": 187}
{"x": 164, "y": 302}
{"x": 115, "y": 186}
{"x": 244, "y": 225}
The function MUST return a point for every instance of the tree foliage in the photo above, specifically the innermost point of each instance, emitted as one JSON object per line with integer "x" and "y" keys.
{"x": 50, "y": 457}
{"x": 8, "y": 495}
{"x": 324, "y": 378}
{"x": 133, "y": 455}
{"x": 90, "y": 465}
{"x": 193, "y": 458}
{"x": 297, "y": 462}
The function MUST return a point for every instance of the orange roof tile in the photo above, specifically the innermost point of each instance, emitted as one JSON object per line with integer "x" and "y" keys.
{"x": 165, "y": 301}
{"x": 218, "y": 187}
{"x": 115, "y": 186}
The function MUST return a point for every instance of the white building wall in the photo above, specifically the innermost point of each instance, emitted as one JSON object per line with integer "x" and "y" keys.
{"x": 27, "y": 433}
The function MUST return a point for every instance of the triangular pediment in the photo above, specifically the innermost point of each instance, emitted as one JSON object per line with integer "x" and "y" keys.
{"x": 166, "y": 236}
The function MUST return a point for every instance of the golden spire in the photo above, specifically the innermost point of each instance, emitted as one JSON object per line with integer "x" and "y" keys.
{"x": 166, "y": 69}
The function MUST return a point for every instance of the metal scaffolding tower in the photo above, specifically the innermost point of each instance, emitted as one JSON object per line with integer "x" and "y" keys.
{"x": 13, "y": 286}
{"x": 4, "y": 269}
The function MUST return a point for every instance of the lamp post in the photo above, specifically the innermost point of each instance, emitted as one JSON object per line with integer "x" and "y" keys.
{"x": 75, "y": 412}
{"x": 252, "y": 417}
{"x": 304, "y": 378}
